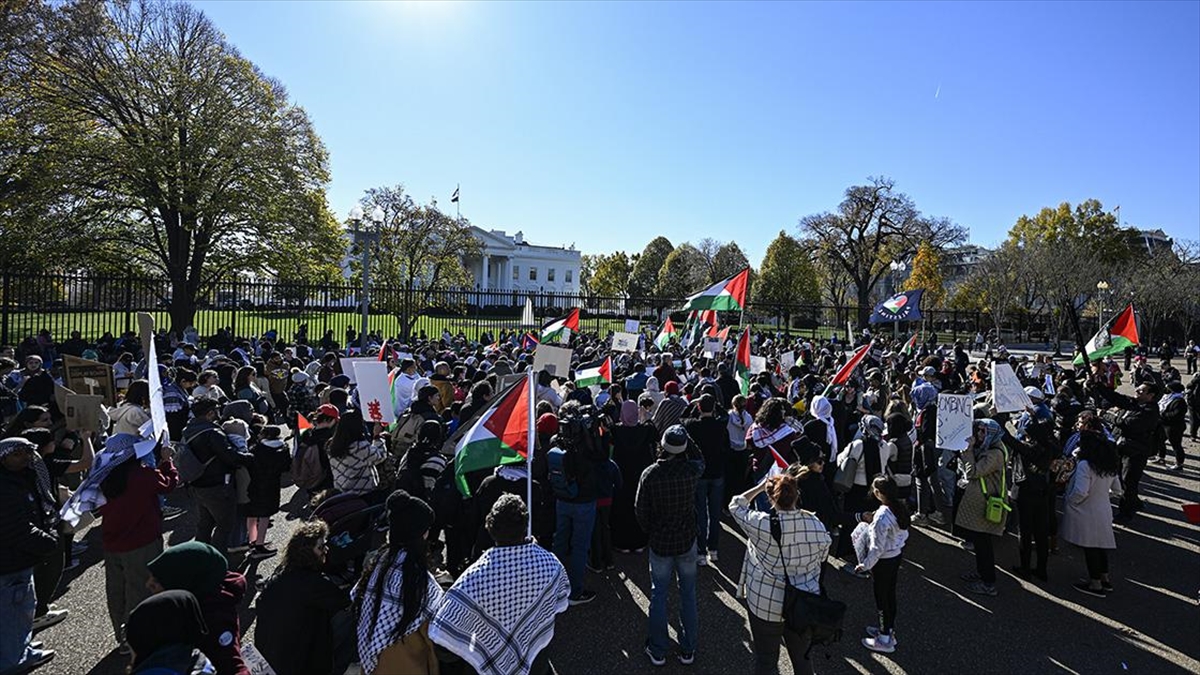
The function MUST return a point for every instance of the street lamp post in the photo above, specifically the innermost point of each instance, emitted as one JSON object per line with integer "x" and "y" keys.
{"x": 1101, "y": 288}
{"x": 898, "y": 267}
{"x": 364, "y": 237}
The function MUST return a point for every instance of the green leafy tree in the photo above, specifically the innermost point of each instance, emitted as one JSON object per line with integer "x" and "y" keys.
{"x": 612, "y": 274}
{"x": 927, "y": 274}
{"x": 191, "y": 162}
{"x": 644, "y": 280}
{"x": 727, "y": 261}
{"x": 787, "y": 275}
{"x": 683, "y": 273}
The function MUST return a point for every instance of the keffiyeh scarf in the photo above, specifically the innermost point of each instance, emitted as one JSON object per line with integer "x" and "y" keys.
{"x": 372, "y": 640}
{"x": 88, "y": 498}
{"x": 822, "y": 409}
{"x": 500, "y": 613}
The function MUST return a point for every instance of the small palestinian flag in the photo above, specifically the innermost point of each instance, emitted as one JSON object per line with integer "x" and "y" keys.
{"x": 302, "y": 422}
{"x": 597, "y": 374}
{"x": 778, "y": 463}
{"x": 847, "y": 370}
{"x": 723, "y": 334}
{"x": 501, "y": 436}
{"x": 529, "y": 341}
{"x": 383, "y": 351}
{"x": 910, "y": 346}
{"x": 665, "y": 335}
{"x": 559, "y": 330}
{"x": 742, "y": 363}
{"x": 727, "y": 295}
{"x": 1122, "y": 332}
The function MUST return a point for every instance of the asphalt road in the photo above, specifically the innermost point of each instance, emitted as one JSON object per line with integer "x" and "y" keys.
{"x": 1150, "y": 624}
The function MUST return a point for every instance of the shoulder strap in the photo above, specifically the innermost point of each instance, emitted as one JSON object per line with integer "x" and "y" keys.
{"x": 777, "y": 534}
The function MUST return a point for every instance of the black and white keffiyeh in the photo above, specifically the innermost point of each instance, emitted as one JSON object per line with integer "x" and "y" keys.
{"x": 117, "y": 449}
{"x": 500, "y": 613}
{"x": 371, "y": 643}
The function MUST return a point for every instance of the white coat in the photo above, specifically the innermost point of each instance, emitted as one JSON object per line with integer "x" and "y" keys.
{"x": 1087, "y": 513}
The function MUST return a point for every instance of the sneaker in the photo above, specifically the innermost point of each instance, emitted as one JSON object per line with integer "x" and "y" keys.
{"x": 656, "y": 661}
{"x": 702, "y": 560}
{"x": 883, "y": 644}
{"x": 982, "y": 588}
{"x": 920, "y": 519}
{"x": 53, "y": 617}
{"x": 171, "y": 512}
{"x": 937, "y": 518}
{"x": 1177, "y": 468}
{"x": 686, "y": 658}
{"x": 873, "y": 631}
{"x": 1158, "y": 460}
{"x": 970, "y": 576}
{"x": 1086, "y": 588}
{"x": 1104, "y": 585}
{"x": 240, "y": 548}
{"x": 37, "y": 659}
{"x": 712, "y": 556}
{"x": 583, "y": 598}
{"x": 260, "y": 553}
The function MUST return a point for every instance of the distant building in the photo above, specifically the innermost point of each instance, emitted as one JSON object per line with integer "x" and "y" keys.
{"x": 959, "y": 262}
{"x": 1151, "y": 241}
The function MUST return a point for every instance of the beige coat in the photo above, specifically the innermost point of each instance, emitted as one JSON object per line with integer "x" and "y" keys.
{"x": 972, "y": 512}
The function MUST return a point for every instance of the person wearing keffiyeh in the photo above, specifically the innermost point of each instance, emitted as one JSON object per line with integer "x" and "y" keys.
{"x": 499, "y": 615}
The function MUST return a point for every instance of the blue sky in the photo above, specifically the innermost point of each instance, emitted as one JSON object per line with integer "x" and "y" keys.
{"x": 606, "y": 124}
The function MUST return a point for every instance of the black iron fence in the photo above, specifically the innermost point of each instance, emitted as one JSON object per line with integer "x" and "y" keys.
{"x": 96, "y": 305}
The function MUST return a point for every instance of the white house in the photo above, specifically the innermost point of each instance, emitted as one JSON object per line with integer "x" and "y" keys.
{"x": 509, "y": 263}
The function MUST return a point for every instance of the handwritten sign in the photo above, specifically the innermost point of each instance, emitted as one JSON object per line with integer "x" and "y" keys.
{"x": 1007, "y": 393}
{"x": 83, "y": 412}
{"x": 555, "y": 360}
{"x": 625, "y": 342}
{"x": 758, "y": 364}
{"x": 348, "y": 366}
{"x": 89, "y": 377}
{"x": 374, "y": 394}
{"x": 712, "y": 347}
{"x": 954, "y": 417}
{"x": 786, "y": 361}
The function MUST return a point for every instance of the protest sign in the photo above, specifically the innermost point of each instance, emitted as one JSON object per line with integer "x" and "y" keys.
{"x": 758, "y": 364}
{"x": 555, "y": 360}
{"x": 158, "y": 414}
{"x": 89, "y": 377}
{"x": 1007, "y": 393}
{"x": 83, "y": 412}
{"x": 954, "y": 417}
{"x": 374, "y": 393}
{"x": 146, "y": 332}
{"x": 631, "y": 325}
{"x": 1048, "y": 385}
{"x": 712, "y": 347}
{"x": 348, "y": 366}
{"x": 786, "y": 361}
{"x": 625, "y": 342}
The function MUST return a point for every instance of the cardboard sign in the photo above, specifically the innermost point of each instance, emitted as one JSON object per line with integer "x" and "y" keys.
{"x": 158, "y": 413}
{"x": 625, "y": 342}
{"x": 1007, "y": 393}
{"x": 348, "y": 366}
{"x": 89, "y": 377}
{"x": 758, "y": 364}
{"x": 632, "y": 325}
{"x": 786, "y": 361}
{"x": 146, "y": 332}
{"x": 83, "y": 412}
{"x": 954, "y": 417}
{"x": 712, "y": 347}
{"x": 555, "y": 360}
{"x": 374, "y": 392}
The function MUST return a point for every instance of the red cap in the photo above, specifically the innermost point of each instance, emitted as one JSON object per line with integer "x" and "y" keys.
{"x": 329, "y": 410}
{"x": 671, "y": 388}
{"x": 547, "y": 424}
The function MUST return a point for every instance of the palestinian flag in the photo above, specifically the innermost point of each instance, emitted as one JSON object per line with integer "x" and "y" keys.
{"x": 587, "y": 376}
{"x": 500, "y": 436}
{"x": 727, "y": 295}
{"x": 723, "y": 334}
{"x": 529, "y": 341}
{"x": 910, "y": 346}
{"x": 847, "y": 370}
{"x": 1120, "y": 333}
{"x": 664, "y": 336}
{"x": 302, "y": 422}
{"x": 559, "y": 330}
{"x": 383, "y": 351}
{"x": 742, "y": 363}
{"x": 778, "y": 463}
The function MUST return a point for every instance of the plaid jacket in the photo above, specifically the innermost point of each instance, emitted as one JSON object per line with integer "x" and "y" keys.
{"x": 665, "y": 504}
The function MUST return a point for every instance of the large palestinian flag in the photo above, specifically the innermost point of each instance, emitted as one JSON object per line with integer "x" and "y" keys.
{"x": 559, "y": 330}
{"x": 500, "y": 436}
{"x": 742, "y": 363}
{"x": 664, "y": 336}
{"x": 1120, "y": 333}
{"x": 594, "y": 374}
{"x": 842, "y": 376}
{"x": 727, "y": 295}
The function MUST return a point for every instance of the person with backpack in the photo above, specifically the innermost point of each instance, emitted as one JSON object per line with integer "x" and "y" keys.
{"x": 871, "y": 455}
{"x": 207, "y": 464}
{"x": 571, "y": 460}
{"x": 310, "y": 465}
{"x": 245, "y": 387}
{"x": 354, "y": 456}
{"x": 271, "y": 459}
{"x": 1173, "y": 411}
{"x": 784, "y": 548}
{"x": 885, "y": 535}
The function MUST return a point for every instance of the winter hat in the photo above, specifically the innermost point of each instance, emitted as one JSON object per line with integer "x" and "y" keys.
{"x": 675, "y": 440}
{"x": 235, "y": 427}
{"x": 299, "y": 377}
{"x": 408, "y": 517}
{"x": 1035, "y": 394}
{"x": 671, "y": 389}
{"x": 547, "y": 424}
{"x": 191, "y": 566}
{"x": 241, "y": 410}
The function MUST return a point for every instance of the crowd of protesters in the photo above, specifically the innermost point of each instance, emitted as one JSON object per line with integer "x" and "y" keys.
{"x": 396, "y": 569}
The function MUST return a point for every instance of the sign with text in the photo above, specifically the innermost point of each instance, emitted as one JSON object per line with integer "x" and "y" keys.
{"x": 348, "y": 366}
{"x": 712, "y": 347}
{"x": 786, "y": 361}
{"x": 555, "y": 360}
{"x": 83, "y": 412}
{"x": 1007, "y": 393}
{"x": 625, "y": 342}
{"x": 93, "y": 378}
{"x": 954, "y": 417}
{"x": 374, "y": 394}
{"x": 632, "y": 325}
{"x": 758, "y": 364}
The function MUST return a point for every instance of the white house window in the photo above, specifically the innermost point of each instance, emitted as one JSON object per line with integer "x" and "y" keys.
{"x": 533, "y": 274}
{"x": 569, "y": 276}
{"x": 516, "y": 273}
{"x": 550, "y": 274}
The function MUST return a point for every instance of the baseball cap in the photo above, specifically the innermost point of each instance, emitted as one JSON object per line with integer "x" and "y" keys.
{"x": 329, "y": 410}
{"x": 675, "y": 440}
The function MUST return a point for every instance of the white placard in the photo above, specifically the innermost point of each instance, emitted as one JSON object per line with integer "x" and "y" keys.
{"x": 374, "y": 393}
{"x": 158, "y": 414}
{"x": 954, "y": 416}
{"x": 625, "y": 342}
{"x": 758, "y": 364}
{"x": 712, "y": 346}
{"x": 632, "y": 325}
{"x": 255, "y": 661}
{"x": 1048, "y": 385}
{"x": 557, "y": 360}
{"x": 786, "y": 361}
{"x": 348, "y": 366}
{"x": 1007, "y": 393}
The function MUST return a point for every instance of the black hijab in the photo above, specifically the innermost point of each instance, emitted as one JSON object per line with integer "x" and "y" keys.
{"x": 167, "y": 618}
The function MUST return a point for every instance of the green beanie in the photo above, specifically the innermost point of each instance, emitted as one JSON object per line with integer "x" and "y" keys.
{"x": 191, "y": 566}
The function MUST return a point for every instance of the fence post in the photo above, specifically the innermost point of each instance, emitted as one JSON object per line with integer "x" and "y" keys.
{"x": 4, "y": 310}
{"x": 128, "y": 303}
{"x": 237, "y": 301}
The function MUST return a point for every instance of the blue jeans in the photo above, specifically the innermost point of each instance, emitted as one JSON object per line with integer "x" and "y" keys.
{"x": 573, "y": 538}
{"x": 662, "y": 570}
{"x": 18, "y": 601}
{"x": 709, "y": 494}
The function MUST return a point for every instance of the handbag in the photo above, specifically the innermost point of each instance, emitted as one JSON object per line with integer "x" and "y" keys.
{"x": 804, "y": 611}
{"x": 996, "y": 506}
{"x": 843, "y": 479}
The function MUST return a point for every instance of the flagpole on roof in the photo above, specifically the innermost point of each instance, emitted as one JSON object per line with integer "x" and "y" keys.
{"x": 529, "y": 447}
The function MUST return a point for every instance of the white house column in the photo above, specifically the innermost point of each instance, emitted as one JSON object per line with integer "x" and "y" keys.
{"x": 486, "y": 271}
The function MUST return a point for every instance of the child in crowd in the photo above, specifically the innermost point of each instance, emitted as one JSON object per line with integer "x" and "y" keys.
{"x": 883, "y": 539}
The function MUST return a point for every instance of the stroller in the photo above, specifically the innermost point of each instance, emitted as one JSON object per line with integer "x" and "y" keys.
{"x": 355, "y": 529}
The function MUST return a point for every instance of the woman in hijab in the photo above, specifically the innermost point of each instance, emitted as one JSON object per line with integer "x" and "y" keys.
{"x": 164, "y": 632}
{"x": 634, "y": 443}
{"x": 981, "y": 475}
{"x": 822, "y": 431}
{"x": 652, "y": 388}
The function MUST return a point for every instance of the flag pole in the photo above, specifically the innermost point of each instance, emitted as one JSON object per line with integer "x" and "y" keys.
{"x": 529, "y": 448}
{"x": 457, "y": 203}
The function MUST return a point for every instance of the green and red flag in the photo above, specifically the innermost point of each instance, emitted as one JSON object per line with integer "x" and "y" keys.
{"x": 586, "y": 376}
{"x": 1120, "y": 333}
{"x": 842, "y": 376}
{"x": 910, "y": 345}
{"x": 500, "y": 436}
{"x": 742, "y": 362}
{"x": 559, "y": 330}
{"x": 664, "y": 336}
{"x": 728, "y": 295}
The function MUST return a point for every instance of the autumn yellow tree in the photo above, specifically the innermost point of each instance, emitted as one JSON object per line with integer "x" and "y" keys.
{"x": 927, "y": 274}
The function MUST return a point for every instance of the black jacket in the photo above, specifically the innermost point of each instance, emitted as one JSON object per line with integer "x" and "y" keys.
{"x": 294, "y": 630}
{"x": 206, "y": 441}
{"x": 26, "y": 530}
{"x": 1138, "y": 423}
{"x": 712, "y": 436}
{"x": 182, "y": 659}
